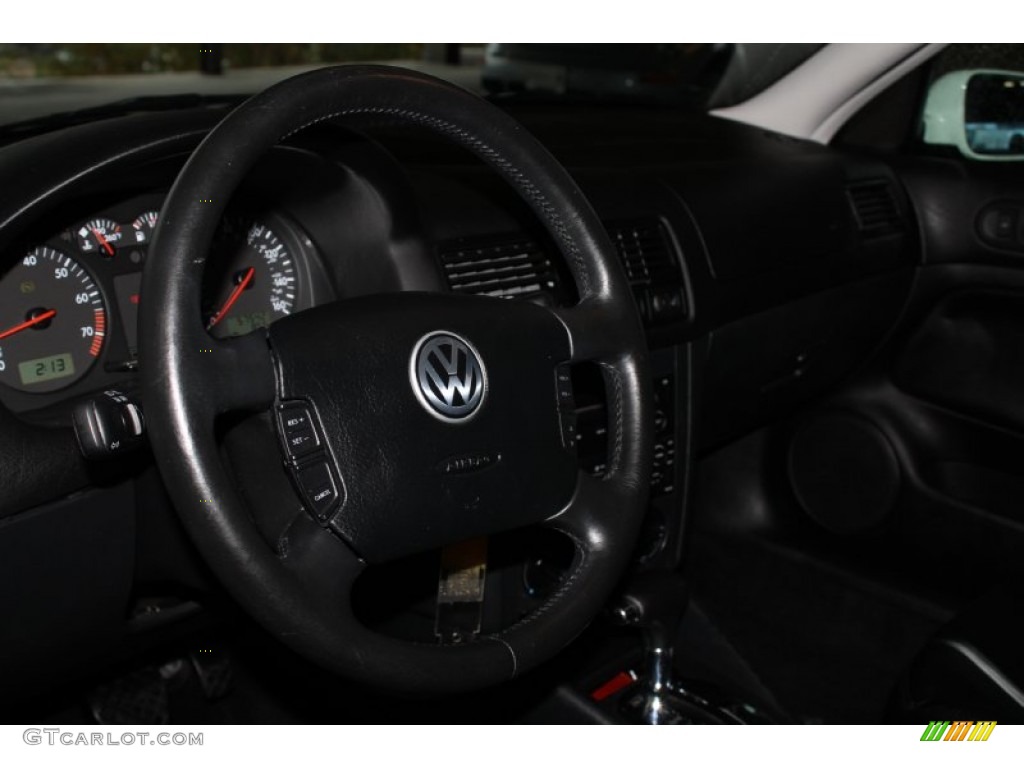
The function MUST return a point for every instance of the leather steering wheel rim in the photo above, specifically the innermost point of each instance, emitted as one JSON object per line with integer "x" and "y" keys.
{"x": 300, "y": 590}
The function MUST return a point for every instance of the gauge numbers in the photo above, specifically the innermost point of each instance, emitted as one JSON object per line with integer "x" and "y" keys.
{"x": 102, "y": 236}
{"x": 53, "y": 322}
{"x": 255, "y": 286}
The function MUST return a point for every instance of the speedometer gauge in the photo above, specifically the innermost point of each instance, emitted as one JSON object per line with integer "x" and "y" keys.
{"x": 52, "y": 322}
{"x": 253, "y": 286}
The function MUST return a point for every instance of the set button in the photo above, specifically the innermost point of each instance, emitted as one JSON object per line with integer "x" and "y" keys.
{"x": 298, "y": 430}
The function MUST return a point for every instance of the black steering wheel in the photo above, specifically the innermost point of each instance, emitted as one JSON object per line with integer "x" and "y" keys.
{"x": 412, "y": 420}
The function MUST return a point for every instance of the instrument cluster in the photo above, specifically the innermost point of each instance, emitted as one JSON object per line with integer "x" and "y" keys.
{"x": 69, "y": 306}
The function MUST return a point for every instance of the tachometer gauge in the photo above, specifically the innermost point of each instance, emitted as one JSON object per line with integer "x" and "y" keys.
{"x": 143, "y": 226}
{"x": 253, "y": 285}
{"x": 52, "y": 322}
{"x": 100, "y": 236}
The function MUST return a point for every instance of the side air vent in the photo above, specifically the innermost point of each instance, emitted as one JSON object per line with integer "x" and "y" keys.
{"x": 875, "y": 208}
{"x": 506, "y": 267}
{"x": 653, "y": 270}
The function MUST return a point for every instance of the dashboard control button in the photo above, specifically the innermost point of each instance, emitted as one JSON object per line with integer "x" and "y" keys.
{"x": 1000, "y": 225}
{"x": 563, "y": 385}
{"x": 131, "y": 416}
{"x": 569, "y": 431}
{"x": 667, "y": 304}
{"x": 108, "y": 425}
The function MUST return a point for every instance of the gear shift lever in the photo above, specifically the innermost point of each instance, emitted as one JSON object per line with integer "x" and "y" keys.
{"x": 655, "y": 603}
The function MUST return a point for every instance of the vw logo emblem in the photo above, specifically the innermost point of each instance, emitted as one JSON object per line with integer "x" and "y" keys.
{"x": 448, "y": 376}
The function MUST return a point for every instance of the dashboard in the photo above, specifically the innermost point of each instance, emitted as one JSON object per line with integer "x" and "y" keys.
{"x": 722, "y": 267}
{"x": 334, "y": 215}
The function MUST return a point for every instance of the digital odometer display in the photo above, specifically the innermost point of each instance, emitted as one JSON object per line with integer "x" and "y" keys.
{"x": 46, "y": 369}
{"x": 242, "y": 324}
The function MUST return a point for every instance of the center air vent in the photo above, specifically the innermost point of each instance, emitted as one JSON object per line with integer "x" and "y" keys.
{"x": 875, "y": 208}
{"x": 516, "y": 266}
{"x": 506, "y": 268}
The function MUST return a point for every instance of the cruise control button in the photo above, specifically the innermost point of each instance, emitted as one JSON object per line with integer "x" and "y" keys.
{"x": 298, "y": 429}
{"x": 318, "y": 487}
{"x": 569, "y": 432}
{"x": 301, "y": 442}
{"x": 296, "y": 419}
{"x": 563, "y": 384}
{"x": 322, "y": 500}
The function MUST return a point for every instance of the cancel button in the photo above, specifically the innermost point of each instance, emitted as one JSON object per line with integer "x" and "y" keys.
{"x": 319, "y": 488}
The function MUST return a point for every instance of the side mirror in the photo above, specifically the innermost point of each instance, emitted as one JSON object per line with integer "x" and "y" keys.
{"x": 978, "y": 111}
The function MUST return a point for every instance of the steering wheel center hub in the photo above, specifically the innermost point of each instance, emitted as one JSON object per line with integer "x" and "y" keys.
{"x": 430, "y": 443}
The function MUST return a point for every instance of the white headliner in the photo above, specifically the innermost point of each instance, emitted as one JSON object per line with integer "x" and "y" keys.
{"x": 817, "y": 98}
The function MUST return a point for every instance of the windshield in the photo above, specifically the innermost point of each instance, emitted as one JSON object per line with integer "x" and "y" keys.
{"x": 37, "y": 80}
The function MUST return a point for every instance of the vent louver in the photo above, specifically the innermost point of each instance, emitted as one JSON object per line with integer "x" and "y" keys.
{"x": 652, "y": 269}
{"x": 875, "y": 208}
{"x": 514, "y": 266}
{"x": 644, "y": 252}
{"x": 505, "y": 268}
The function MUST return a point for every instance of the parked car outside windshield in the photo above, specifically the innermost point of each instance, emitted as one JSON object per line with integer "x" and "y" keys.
{"x": 42, "y": 79}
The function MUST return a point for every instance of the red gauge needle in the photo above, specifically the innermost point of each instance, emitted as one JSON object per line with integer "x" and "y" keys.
{"x": 103, "y": 241}
{"x": 29, "y": 323}
{"x": 232, "y": 298}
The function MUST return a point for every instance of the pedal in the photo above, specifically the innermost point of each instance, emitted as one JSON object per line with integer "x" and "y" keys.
{"x": 213, "y": 671}
{"x": 138, "y": 698}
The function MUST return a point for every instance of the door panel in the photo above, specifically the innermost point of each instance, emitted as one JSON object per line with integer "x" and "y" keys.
{"x": 958, "y": 365}
{"x": 843, "y": 604}
{"x": 968, "y": 354}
